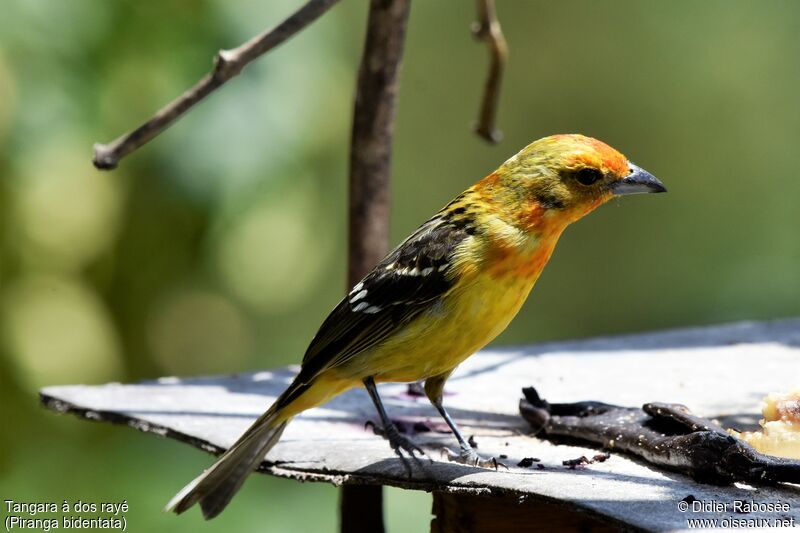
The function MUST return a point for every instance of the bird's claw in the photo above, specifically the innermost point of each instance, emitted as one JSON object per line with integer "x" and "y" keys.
{"x": 468, "y": 456}
{"x": 399, "y": 443}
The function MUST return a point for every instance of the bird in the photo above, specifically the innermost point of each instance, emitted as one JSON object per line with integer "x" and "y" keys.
{"x": 443, "y": 294}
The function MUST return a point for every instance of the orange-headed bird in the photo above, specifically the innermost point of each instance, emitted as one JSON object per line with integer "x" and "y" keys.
{"x": 440, "y": 296}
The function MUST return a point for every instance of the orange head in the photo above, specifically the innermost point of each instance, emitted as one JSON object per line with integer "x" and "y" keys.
{"x": 563, "y": 177}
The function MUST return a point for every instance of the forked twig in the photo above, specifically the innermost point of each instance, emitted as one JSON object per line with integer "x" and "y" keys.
{"x": 227, "y": 64}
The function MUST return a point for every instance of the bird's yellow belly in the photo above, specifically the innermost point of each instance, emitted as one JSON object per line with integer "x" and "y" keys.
{"x": 440, "y": 339}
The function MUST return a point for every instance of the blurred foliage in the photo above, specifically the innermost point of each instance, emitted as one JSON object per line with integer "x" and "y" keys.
{"x": 220, "y": 246}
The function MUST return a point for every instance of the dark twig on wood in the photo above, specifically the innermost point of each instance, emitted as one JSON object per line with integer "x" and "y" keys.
{"x": 487, "y": 29}
{"x": 370, "y": 169}
{"x": 227, "y": 64}
{"x": 666, "y": 435}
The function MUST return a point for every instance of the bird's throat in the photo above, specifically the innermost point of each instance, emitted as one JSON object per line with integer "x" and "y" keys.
{"x": 525, "y": 260}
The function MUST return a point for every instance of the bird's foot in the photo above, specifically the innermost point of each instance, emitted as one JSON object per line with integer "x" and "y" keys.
{"x": 399, "y": 443}
{"x": 468, "y": 456}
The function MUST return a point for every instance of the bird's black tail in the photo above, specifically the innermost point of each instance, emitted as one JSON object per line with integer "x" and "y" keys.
{"x": 214, "y": 488}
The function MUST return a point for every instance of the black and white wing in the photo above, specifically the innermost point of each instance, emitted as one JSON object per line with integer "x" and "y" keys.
{"x": 410, "y": 279}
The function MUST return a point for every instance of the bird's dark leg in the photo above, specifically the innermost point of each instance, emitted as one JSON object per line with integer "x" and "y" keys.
{"x": 389, "y": 431}
{"x": 434, "y": 389}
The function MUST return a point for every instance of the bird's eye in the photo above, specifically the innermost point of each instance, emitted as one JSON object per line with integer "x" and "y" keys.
{"x": 588, "y": 176}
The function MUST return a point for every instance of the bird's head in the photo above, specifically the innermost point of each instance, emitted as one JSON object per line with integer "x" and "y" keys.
{"x": 563, "y": 177}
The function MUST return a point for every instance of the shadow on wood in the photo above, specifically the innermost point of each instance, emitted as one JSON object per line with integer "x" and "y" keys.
{"x": 460, "y": 513}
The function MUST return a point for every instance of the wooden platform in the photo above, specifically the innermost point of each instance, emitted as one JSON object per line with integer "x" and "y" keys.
{"x": 721, "y": 371}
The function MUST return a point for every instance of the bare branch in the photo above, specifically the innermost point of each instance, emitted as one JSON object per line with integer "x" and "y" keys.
{"x": 227, "y": 64}
{"x": 373, "y": 128}
{"x": 487, "y": 29}
{"x": 361, "y": 508}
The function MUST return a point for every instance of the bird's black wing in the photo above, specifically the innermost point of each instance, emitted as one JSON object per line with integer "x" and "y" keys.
{"x": 404, "y": 284}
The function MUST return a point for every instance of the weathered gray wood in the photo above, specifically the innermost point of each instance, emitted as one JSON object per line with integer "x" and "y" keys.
{"x": 720, "y": 371}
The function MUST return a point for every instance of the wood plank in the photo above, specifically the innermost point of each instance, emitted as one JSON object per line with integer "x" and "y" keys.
{"x": 716, "y": 371}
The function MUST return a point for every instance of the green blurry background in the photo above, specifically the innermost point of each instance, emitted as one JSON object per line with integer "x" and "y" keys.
{"x": 220, "y": 246}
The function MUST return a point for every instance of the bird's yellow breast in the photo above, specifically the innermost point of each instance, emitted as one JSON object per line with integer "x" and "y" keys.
{"x": 477, "y": 309}
{"x": 462, "y": 323}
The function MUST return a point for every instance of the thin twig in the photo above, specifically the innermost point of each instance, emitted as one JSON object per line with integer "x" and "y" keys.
{"x": 487, "y": 29}
{"x": 227, "y": 64}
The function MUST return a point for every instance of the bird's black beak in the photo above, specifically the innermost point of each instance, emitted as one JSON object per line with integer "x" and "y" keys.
{"x": 638, "y": 181}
